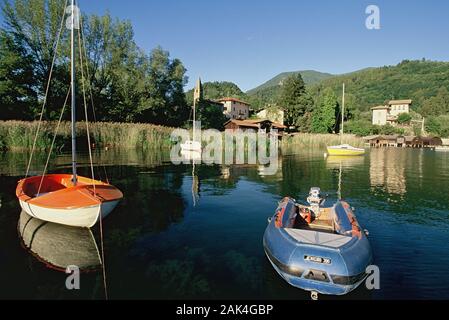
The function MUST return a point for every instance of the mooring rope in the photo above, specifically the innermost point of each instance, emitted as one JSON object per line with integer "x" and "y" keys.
{"x": 46, "y": 91}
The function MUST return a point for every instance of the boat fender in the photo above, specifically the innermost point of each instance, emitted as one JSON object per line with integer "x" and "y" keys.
{"x": 278, "y": 218}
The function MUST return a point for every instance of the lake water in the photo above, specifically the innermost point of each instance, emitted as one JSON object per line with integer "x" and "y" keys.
{"x": 174, "y": 236}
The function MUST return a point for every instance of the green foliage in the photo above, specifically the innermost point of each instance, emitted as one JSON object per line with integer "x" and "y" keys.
{"x": 19, "y": 135}
{"x": 268, "y": 92}
{"x": 31, "y": 27}
{"x": 387, "y": 130}
{"x": 216, "y": 90}
{"x": 295, "y": 101}
{"x": 359, "y": 127}
{"x": 436, "y": 105}
{"x": 127, "y": 85}
{"x": 404, "y": 118}
{"x": 165, "y": 101}
{"x": 365, "y": 128}
{"x": 17, "y": 96}
{"x": 438, "y": 126}
{"x": 210, "y": 115}
{"x": 417, "y": 80}
{"x": 323, "y": 118}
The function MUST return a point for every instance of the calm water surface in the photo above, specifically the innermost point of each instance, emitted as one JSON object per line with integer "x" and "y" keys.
{"x": 174, "y": 236}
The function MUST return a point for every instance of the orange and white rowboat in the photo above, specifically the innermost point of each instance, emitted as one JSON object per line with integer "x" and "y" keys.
{"x": 59, "y": 201}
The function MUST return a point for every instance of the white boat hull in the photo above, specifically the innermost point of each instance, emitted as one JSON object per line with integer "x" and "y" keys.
{"x": 85, "y": 217}
{"x": 191, "y": 146}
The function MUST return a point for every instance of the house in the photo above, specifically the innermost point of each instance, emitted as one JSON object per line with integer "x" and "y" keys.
{"x": 256, "y": 125}
{"x": 235, "y": 109}
{"x": 272, "y": 114}
{"x": 380, "y": 114}
{"x": 388, "y": 114}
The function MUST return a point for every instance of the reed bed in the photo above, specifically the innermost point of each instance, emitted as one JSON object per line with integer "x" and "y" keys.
{"x": 19, "y": 135}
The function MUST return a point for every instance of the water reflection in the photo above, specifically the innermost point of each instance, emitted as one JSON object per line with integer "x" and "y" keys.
{"x": 387, "y": 170}
{"x": 59, "y": 246}
{"x": 159, "y": 245}
{"x": 335, "y": 162}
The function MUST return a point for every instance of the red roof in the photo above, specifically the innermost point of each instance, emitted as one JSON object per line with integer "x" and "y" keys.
{"x": 254, "y": 123}
{"x": 233, "y": 100}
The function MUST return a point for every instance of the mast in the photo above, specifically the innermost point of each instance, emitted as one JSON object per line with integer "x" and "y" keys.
{"x": 196, "y": 96}
{"x": 342, "y": 114}
{"x": 194, "y": 119}
{"x": 72, "y": 75}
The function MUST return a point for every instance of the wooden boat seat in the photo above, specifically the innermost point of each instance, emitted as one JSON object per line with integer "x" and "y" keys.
{"x": 323, "y": 220}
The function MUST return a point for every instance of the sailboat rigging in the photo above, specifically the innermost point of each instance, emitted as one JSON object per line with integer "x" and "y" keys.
{"x": 194, "y": 145}
{"x": 344, "y": 149}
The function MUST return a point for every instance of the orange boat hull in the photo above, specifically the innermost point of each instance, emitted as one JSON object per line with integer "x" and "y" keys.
{"x": 54, "y": 198}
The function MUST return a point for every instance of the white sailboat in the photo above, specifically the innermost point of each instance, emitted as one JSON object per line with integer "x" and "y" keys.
{"x": 193, "y": 145}
{"x": 344, "y": 149}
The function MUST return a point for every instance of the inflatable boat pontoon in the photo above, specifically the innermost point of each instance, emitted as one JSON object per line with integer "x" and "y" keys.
{"x": 316, "y": 248}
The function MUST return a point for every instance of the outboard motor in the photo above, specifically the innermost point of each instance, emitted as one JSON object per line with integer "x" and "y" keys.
{"x": 315, "y": 199}
{"x": 315, "y": 196}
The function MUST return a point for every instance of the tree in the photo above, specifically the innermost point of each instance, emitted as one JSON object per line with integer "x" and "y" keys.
{"x": 165, "y": 103}
{"x": 17, "y": 96}
{"x": 216, "y": 90}
{"x": 294, "y": 100}
{"x": 323, "y": 117}
{"x": 32, "y": 27}
{"x": 210, "y": 115}
{"x": 436, "y": 105}
{"x": 433, "y": 125}
{"x": 404, "y": 118}
{"x": 359, "y": 127}
{"x": 126, "y": 84}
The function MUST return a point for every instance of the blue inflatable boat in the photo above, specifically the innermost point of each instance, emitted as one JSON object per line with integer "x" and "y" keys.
{"x": 317, "y": 248}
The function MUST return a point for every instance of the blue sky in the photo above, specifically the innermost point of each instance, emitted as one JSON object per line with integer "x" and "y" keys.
{"x": 248, "y": 42}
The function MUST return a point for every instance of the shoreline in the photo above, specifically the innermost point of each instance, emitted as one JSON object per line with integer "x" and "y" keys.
{"x": 18, "y": 135}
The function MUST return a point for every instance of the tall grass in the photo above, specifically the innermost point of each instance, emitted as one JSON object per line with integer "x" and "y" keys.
{"x": 19, "y": 135}
{"x": 309, "y": 141}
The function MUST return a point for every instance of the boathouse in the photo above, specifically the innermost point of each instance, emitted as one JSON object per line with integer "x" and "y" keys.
{"x": 258, "y": 124}
{"x": 378, "y": 141}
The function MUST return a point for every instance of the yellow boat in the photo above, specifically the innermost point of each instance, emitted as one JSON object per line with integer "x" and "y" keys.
{"x": 345, "y": 150}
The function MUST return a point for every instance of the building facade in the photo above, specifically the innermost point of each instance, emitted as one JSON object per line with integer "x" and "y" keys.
{"x": 380, "y": 115}
{"x": 272, "y": 114}
{"x": 235, "y": 109}
{"x": 388, "y": 114}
